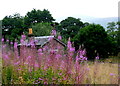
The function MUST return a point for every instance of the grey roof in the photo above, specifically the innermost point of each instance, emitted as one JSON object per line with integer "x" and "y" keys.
{"x": 42, "y": 40}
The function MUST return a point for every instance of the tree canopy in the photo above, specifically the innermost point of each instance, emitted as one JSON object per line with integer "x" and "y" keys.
{"x": 42, "y": 29}
{"x": 37, "y": 16}
{"x": 69, "y": 27}
{"x": 95, "y": 40}
{"x": 12, "y": 26}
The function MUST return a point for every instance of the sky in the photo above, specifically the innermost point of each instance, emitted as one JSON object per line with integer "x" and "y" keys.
{"x": 61, "y": 9}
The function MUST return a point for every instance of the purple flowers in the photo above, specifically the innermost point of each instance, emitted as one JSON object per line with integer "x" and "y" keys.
{"x": 59, "y": 37}
{"x": 15, "y": 45}
{"x": 81, "y": 56}
{"x": 48, "y": 64}
{"x": 54, "y": 32}
{"x": 112, "y": 74}
{"x": 97, "y": 58}
{"x": 2, "y": 39}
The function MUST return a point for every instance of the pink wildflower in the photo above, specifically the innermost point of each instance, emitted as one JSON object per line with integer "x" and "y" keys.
{"x": 23, "y": 37}
{"x": 7, "y": 40}
{"x": 40, "y": 79}
{"x": 97, "y": 57}
{"x": 36, "y": 65}
{"x": 59, "y": 37}
{"x": 54, "y": 32}
{"x": 17, "y": 63}
{"x": 2, "y": 40}
{"x": 15, "y": 45}
{"x": 69, "y": 45}
{"x": 39, "y": 50}
{"x": 112, "y": 74}
{"x": 11, "y": 43}
{"x": 72, "y": 49}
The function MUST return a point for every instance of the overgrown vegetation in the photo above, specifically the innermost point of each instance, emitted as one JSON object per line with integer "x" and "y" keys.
{"x": 41, "y": 67}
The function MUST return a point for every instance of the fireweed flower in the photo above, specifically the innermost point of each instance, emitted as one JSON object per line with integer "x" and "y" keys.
{"x": 36, "y": 65}
{"x": 69, "y": 45}
{"x": 81, "y": 56}
{"x": 54, "y": 32}
{"x": 6, "y": 57}
{"x": 21, "y": 41}
{"x": 88, "y": 69}
{"x": 77, "y": 59}
{"x": 112, "y": 74}
{"x": 29, "y": 57}
{"x": 7, "y": 40}
{"x": 17, "y": 63}
{"x": 15, "y": 45}
{"x": 85, "y": 58}
{"x": 60, "y": 74}
{"x": 97, "y": 58}
{"x": 45, "y": 82}
{"x": 23, "y": 37}
{"x": 59, "y": 37}
{"x": 50, "y": 38}
{"x": 11, "y": 43}
{"x": 4, "y": 46}
{"x": 40, "y": 50}
{"x": 2, "y": 39}
{"x": 72, "y": 49}
{"x": 40, "y": 79}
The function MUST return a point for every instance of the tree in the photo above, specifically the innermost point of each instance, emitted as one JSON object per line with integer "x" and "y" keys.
{"x": 118, "y": 35}
{"x": 42, "y": 29}
{"x": 12, "y": 26}
{"x": 70, "y": 27}
{"x": 37, "y": 16}
{"x": 112, "y": 30}
{"x": 95, "y": 40}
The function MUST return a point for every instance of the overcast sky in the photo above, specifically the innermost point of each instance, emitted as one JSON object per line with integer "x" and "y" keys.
{"x": 62, "y": 8}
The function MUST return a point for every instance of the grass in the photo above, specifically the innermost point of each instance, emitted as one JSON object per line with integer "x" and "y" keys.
{"x": 100, "y": 73}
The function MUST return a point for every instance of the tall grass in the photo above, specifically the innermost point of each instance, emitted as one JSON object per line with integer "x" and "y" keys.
{"x": 47, "y": 66}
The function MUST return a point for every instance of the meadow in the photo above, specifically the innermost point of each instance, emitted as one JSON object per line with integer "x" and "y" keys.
{"x": 32, "y": 66}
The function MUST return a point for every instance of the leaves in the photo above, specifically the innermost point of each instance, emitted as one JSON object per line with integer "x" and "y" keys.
{"x": 69, "y": 27}
{"x": 94, "y": 38}
{"x": 42, "y": 29}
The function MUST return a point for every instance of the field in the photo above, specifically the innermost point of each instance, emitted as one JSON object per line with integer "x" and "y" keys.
{"x": 34, "y": 66}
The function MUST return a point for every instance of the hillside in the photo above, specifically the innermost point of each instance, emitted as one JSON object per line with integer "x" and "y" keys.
{"x": 101, "y": 21}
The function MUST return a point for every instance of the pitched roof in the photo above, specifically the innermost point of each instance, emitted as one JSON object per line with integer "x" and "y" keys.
{"x": 42, "y": 40}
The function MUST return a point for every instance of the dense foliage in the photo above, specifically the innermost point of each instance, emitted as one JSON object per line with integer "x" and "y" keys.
{"x": 70, "y": 27}
{"x": 42, "y": 29}
{"x": 12, "y": 27}
{"x": 95, "y": 40}
{"x": 37, "y": 16}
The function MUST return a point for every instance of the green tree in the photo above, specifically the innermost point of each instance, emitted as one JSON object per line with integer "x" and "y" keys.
{"x": 42, "y": 29}
{"x": 112, "y": 30}
{"x": 37, "y": 16}
{"x": 95, "y": 40}
{"x": 69, "y": 27}
{"x": 12, "y": 26}
{"x": 118, "y": 35}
